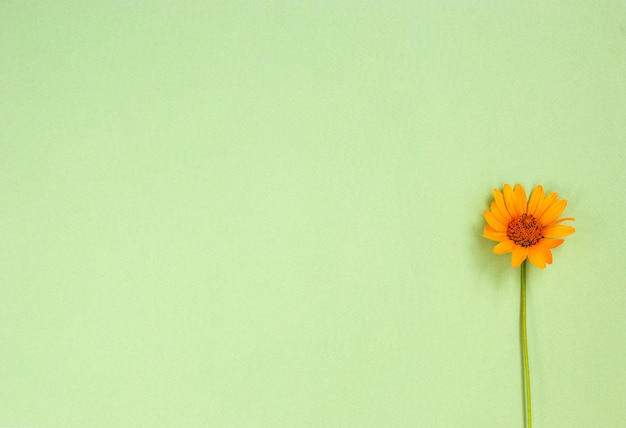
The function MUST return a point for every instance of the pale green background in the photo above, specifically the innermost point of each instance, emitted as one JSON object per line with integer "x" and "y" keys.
{"x": 269, "y": 214}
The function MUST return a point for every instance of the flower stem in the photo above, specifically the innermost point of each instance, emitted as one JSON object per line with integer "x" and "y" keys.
{"x": 529, "y": 421}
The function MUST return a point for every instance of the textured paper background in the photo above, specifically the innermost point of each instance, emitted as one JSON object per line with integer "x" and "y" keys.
{"x": 269, "y": 214}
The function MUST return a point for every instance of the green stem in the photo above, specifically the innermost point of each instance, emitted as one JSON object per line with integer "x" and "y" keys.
{"x": 529, "y": 420}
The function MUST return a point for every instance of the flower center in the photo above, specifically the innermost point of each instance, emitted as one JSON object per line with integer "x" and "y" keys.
{"x": 525, "y": 230}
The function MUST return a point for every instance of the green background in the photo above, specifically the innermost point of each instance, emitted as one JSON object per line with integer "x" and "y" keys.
{"x": 269, "y": 213}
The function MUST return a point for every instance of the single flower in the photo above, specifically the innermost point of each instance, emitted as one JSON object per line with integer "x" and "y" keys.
{"x": 526, "y": 228}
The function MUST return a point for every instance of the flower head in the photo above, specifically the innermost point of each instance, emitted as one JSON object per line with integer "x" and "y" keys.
{"x": 526, "y": 228}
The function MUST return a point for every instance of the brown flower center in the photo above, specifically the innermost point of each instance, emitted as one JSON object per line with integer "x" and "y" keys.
{"x": 524, "y": 230}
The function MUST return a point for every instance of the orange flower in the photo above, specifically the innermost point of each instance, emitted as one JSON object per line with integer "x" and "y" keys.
{"x": 526, "y": 228}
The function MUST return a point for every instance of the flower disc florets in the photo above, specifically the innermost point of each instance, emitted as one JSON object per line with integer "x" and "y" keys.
{"x": 525, "y": 230}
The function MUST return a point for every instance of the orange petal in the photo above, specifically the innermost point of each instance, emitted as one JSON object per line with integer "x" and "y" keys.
{"x": 519, "y": 255}
{"x": 558, "y": 231}
{"x": 490, "y": 233}
{"x": 544, "y": 204}
{"x": 499, "y": 199}
{"x": 509, "y": 200}
{"x": 561, "y": 220}
{"x": 520, "y": 199}
{"x": 553, "y": 212}
{"x": 537, "y": 256}
{"x": 493, "y": 222}
{"x": 497, "y": 214}
{"x": 546, "y": 250}
{"x": 550, "y": 243}
{"x": 535, "y": 199}
{"x": 504, "y": 247}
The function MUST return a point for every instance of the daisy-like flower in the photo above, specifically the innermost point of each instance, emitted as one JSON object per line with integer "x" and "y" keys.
{"x": 526, "y": 228}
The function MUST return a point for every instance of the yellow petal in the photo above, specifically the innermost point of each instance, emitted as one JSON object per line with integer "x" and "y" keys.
{"x": 520, "y": 199}
{"x": 519, "y": 255}
{"x": 504, "y": 247}
{"x": 535, "y": 199}
{"x": 558, "y": 231}
{"x": 553, "y": 212}
{"x": 490, "y": 233}
{"x": 537, "y": 256}
{"x": 509, "y": 200}
{"x": 493, "y": 222}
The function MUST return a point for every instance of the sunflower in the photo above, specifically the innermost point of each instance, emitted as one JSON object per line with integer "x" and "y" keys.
{"x": 528, "y": 229}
